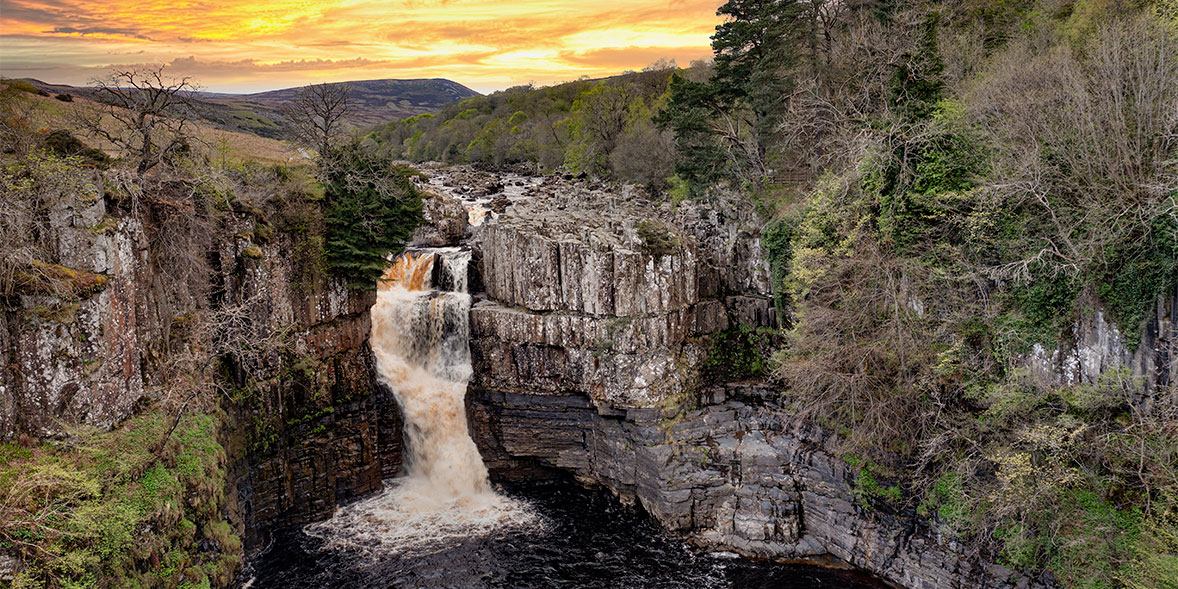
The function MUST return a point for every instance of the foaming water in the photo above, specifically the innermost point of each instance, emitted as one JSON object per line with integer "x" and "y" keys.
{"x": 588, "y": 541}
{"x": 420, "y": 339}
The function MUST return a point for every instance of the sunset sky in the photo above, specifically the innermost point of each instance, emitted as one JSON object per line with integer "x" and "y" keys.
{"x": 251, "y": 45}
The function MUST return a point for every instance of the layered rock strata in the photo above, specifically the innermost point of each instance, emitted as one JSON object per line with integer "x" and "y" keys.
{"x": 596, "y": 335}
{"x": 610, "y": 298}
{"x": 739, "y": 474}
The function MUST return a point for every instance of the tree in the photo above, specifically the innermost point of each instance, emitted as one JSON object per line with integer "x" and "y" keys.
{"x": 143, "y": 113}
{"x": 757, "y": 50}
{"x": 319, "y": 113}
{"x": 371, "y": 209}
{"x": 689, "y": 113}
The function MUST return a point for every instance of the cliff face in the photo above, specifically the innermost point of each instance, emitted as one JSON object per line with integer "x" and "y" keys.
{"x": 75, "y": 357}
{"x": 310, "y": 427}
{"x": 307, "y": 424}
{"x": 595, "y": 348}
{"x": 613, "y": 301}
{"x": 738, "y": 474}
{"x": 1097, "y": 346}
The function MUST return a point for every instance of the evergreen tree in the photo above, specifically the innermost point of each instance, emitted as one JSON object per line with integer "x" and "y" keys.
{"x": 758, "y": 51}
{"x": 371, "y": 209}
{"x": 702, "y": 159}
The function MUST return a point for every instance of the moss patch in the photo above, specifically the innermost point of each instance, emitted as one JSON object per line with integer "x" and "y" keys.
{"x": 120, "y": 509}
{"x": 54, "y": 279}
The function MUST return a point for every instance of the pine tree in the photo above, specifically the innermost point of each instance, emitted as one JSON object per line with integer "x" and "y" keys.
{"x": 371, "y": 209}
{"x": 759, "y": 50}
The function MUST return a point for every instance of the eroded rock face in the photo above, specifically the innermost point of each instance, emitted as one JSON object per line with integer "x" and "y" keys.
{"x": 595, "y": 332}
{"x": 739, "y": 474}
{"x": 75, "y": 358}
{"x": 309, "y": 428}
{"x": 611, "y": 297}
{"x": 1097, "y": 347}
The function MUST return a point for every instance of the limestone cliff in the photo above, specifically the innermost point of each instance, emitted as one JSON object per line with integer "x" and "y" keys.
{"x": 307, "y": 424}
{"x": 612, "y": 298}
{"x": 595, "y": 347}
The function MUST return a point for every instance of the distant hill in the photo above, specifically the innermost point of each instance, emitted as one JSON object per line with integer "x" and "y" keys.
{"x": 374, "y": 102}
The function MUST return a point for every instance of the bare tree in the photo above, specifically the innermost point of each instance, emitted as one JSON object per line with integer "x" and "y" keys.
{"x": 318, "y": 114}
{"x": 143, "y": 112}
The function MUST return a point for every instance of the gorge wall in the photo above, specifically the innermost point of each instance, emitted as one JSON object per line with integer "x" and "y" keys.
{"x": 595, "y": 348}
{"x": 612, "y": 338}
{"x": 306, "y": 425}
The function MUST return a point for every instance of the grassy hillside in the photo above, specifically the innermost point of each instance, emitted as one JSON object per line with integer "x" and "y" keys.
{"x": 33, "y": 111}
{"x": 374, "y": 102}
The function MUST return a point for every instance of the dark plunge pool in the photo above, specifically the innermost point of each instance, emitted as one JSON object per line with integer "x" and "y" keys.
{"x": 588, "y": 540}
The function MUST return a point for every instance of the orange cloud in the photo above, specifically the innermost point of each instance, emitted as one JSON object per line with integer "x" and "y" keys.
{"x": 246, "y": 45}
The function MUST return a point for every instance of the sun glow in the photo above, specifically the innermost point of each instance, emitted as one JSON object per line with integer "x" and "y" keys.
{"x": 247, "y": 45}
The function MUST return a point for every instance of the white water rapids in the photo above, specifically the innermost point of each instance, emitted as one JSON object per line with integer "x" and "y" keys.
{"x": 420, "y": 336}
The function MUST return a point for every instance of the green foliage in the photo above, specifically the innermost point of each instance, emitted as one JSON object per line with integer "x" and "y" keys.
{"x": 1138, "y": 269}
{"x": 702, "y": 159}
{"x": 370, "y": 210}
{"x": 99, "y": 512}
{"x": 947, "y": 498}
{"x": 777, "y": 237}
{"x": 65, "y": 144}
{"x": 758, "y": 42}
{"x": 866, "y": 488}
{"x": 916, "y": 84}
{"x": 743, "y": 352}
{"x": 601, "y": 128}
{"x": 987, "y": 206}
{"x": 1039, "y": 309}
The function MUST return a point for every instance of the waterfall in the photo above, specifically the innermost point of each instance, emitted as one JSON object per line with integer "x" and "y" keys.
{"x": 420, "y": 337}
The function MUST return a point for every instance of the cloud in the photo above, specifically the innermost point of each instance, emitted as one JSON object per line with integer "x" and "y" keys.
{"x": 110, "y": 31}
{"x": 251, "y": 44}
{"x": 626, "y": 57}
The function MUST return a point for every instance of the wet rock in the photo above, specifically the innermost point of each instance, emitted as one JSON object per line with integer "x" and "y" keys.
{"x": 445, "y": 221}
{"x": 742, "y": 477}
{"x": 499, "y": 204}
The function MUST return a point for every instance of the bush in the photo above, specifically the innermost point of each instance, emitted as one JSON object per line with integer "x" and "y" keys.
{"x": 64, "y": 143}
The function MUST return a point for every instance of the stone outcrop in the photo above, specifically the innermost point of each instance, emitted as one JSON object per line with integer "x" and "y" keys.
{"x": 73, "y": 354}
{"x": 595, "y": 337}
{"x": 1098, "y": 347}
{"x": 612, "y": 298}
{"x": 313, "y": 428}
{"x": 309, "y": 428}
{"x": 739, "y": 474}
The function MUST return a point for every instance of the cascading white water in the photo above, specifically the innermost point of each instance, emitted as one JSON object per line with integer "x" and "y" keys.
{"x": 420, "y": 337}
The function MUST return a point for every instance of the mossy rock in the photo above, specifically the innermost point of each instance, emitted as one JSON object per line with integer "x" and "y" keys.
{"x": 264, "y": 232}
{"x": 253, "y": 252}
{"x": 657, "y": 238}
{"x": 54, "y": 279}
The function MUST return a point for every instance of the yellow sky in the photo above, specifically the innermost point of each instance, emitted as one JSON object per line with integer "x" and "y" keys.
{"x": 251, "y": 45}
